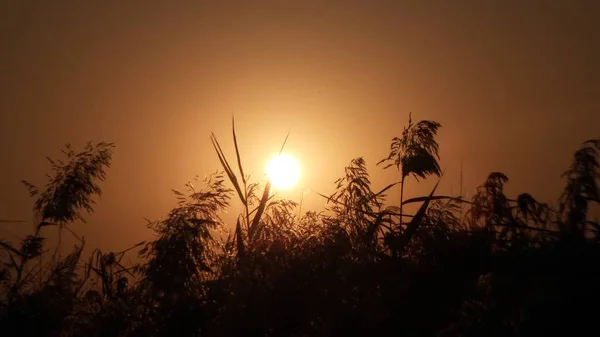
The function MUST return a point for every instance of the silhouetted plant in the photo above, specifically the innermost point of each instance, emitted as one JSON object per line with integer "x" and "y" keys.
{"x": 249, "y": 225}
{"x": 490, "y": 203}
{"x": 415, "y": 153}
{"x": 355, "y": 206}
{"x": 399, "y": 243}
{"x": 582, "y": 188}
{"x": 183, "y": 254}
{"x": 74, "y": 184}
{"x": 440, "y": 220}
{"x": 501, "y": 270}
{"x": 67, "y": 193}
{"x": 108, "y": 267}
{"x": 183, "y": 257}
{"x": 43, "y": 295}
{"x": 515, "y": 222}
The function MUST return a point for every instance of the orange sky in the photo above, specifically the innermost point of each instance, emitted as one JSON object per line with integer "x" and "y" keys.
{"x": 515, "y": 85}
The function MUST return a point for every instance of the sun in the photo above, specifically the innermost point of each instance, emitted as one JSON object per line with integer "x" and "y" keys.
{"x": 283, "y": 171}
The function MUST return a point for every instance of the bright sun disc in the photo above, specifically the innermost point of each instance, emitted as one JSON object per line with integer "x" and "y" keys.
{"x": 283, "y": 171}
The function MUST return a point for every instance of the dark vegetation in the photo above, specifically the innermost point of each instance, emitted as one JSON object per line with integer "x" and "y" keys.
{"x": 493, "y": 265}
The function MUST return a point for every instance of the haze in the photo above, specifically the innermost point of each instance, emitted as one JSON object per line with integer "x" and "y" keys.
{"x": 514, "y": 84}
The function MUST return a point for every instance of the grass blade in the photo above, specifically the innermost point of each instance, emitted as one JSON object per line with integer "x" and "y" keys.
{"x": 437, "y": 197}
{"x": 374, "y": 226}
{"x": 241, "y": 249}
{"x": 237, "y": 152}
{"x": 256, "y": 208}
{"x": 416, "y": 221}
{"x": 383, "y": 190}
{"x": 259, "y": 211}
{"x": 10, "y": 248}
{"x": 284, "y": 141}
{"x": 227, "y": 168}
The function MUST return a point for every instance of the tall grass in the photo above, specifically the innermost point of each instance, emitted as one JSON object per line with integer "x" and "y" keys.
{"x": 359, "y": 267}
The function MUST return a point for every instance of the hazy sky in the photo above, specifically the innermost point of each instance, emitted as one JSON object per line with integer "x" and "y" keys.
{"x": 515, "y": 85}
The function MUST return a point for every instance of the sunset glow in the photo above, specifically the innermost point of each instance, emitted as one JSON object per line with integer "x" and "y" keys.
{"x": 283, "y": 171}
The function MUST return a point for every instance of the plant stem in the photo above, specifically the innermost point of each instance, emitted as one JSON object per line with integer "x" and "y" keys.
{"x": 401, "y": 198}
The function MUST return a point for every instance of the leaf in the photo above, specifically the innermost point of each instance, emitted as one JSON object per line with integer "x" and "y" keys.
{"x": 385, "y": 189}
{"x": 374, "y": 226}
{"x": 33, "y": 190}
{"x": 9, "y": 247}
{"x": 46, "y": 223}
{"x": 241, "y": 250}
{"x": 237, "y": 151}
{"x": 259, "y": 211}
{"x": 416, "y": 221}
{"x": 227, "y": 168}
{"x": 284, "y": 141}
{"x": 437, "y": 197}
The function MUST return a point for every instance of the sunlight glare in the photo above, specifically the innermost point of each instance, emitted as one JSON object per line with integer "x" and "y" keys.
{"x": 283, "y": 171}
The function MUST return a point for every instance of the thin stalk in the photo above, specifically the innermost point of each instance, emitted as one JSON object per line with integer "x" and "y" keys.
{"x": 244, "y": 181}
{"x": 401, "y": 197}
{"x": 300, "y": 205}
